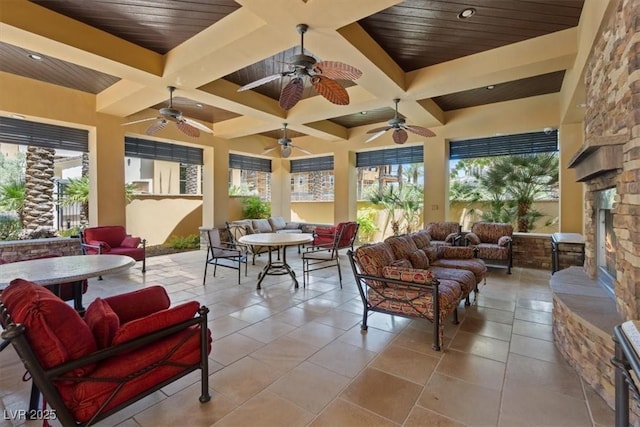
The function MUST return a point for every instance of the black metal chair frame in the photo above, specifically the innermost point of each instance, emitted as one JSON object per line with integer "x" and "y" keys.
{"x": 363, "y": 280}
{"x": 255, "y": 250}
{"x": 43, "y": 379}
{"x": 226, "y": 251}
{"x": 320, "y": 257}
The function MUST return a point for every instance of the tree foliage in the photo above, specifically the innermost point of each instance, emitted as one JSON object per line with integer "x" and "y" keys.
{"x": 509, "y": 184}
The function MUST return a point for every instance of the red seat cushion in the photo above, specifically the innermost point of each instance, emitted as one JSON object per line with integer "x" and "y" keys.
{"x": 113, "y": 235}
{"x": 55, "y": 330}
{"x": 140, "y": 303}
{"x": 103, "y": 321}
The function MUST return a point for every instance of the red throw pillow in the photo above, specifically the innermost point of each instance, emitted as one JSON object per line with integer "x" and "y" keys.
{"x": 103, "y": 245}
{"x": 156, "y": 321}
{"x": 137, "y": 304}
{"x": 130, "y": 242}
{"x": 102, "y": 321}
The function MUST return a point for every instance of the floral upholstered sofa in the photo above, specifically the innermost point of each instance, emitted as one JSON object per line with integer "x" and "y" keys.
{"x": 399, "y": 276}
{"x": 492, "y": 242}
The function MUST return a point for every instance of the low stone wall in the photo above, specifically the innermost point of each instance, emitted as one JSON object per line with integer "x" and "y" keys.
{"x": 583, "y": 319}
{"x": 532, "y": 250}
{"x": 16, "y": 250}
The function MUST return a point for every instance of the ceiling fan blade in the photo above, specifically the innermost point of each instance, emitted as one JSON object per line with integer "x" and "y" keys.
{"x": 400, "y": 136}
{"x": 419, "y": 130}
{"x": 262, "y": 81}
{"x": 330, "y": 89}
{"x": 196, "y": 124}
{"x": 382, "y": 129}
{"x": 301, "y": 149}
{"x": 377, "y": 135}
{"x": 140, "y": 121}
{"x": 155, "y": 127}
{"x": 270, "y": 149}
{"x": 187, "y": 129}
{"x": 291, "y": 93}
{"x": 337, "y": 70}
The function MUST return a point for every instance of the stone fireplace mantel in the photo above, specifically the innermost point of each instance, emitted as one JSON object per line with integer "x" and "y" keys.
{"x": 601, "y": 155}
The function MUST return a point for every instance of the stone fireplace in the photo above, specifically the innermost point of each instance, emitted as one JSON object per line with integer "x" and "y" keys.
{"x": 609, "y": 166}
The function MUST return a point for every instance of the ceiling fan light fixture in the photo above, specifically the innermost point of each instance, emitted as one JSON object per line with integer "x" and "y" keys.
{"x": 466, "y": 13}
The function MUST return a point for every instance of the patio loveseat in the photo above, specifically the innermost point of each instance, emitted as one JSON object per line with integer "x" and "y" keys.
{"x": 396, "y": 277}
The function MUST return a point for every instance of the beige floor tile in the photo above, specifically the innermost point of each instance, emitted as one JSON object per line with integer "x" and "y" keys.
{"x": 184, "y": 407}
{"x": 296, "y": 316}
{"x": 384, "y": 394}
{"x": 266, "y": 409}
{"x": 405, "y": 363}
{"x": 601, "y": 413}
{"x": 233, "y": 347}
{"x": 421, "y": 340}
{"x": 343, "y": 413}
{"x": 342, "y": 358}
{"x": 535, "y": 373}
{"x": 252, "y": 314}
{"x": 490, "y": 348}
{"x": 471, "y": 404}
{"x": 315, "y": 334}
{"x": 533, "y": 330}
{"x": 267, "y": 330}
{"x": 244, "y": 379}
{"x": 490, "y": 314}
{"x": 340, "y": 319}
{"x": 285, "y": 353}
{"x": 533, "y": 304}
{"x": 387, "y": 322}
{"x": 474, "y": 369}
{"x": 540, "y": 407}
{"x": 487, "y": 328}
{"x": 533, "y": 347}
{"x": 139, "y": 406}
{"x": 310, "y": 386}
{"x": 534, "y": 316}
{"x": 495, "y": 303}
{"x": 421, "y": 417}
{"x": 372, "y": 339}
{"x": 225, "y": 325}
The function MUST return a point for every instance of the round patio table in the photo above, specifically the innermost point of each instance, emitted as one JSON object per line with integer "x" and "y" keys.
{"x": 279, "y": 240}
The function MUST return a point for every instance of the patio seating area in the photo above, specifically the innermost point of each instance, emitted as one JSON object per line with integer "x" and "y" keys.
{"x": 295, "y": 357}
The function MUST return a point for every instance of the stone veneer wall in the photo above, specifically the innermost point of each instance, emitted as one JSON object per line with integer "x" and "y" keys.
{"x": 17, "y": 250}
{"x": 531, "y": 250}
{"x": 613, "y": 109}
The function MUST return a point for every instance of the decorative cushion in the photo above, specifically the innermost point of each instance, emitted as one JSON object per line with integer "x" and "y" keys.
{"x": 155, "y": 322}
{"x": 292, "y": 226}
{"x": 140, "y": 303}
{"x": 404, "y": 263}
{"x": 419, "y": 259}
{"x": 421, "y": 238}
{"x": 131, "y": 242}
{"x": 432, "y": 253}
{"x": 103, "y": 321}
{"x": 451, "y": 237}
{"x": 104, "y": 246}
{"x": 504, "y": 240}
{"x": 412, "y": 275}
{"x": 325, "y": 230}
{"x": 261, "y": 226}
{"x": 111, "y": 234}
{"x": 490, "y": 232}
{"x": 277, "y": 223}
{"x": 57, "y": 332}
{"x": 401, "y": 246}
{"x": 455, "y": 252}
{"x": 472, "y": 238}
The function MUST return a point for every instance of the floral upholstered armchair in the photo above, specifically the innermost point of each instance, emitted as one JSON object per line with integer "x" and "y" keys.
{"x": 492, "y": 242}
{"x": 443, "y": 233}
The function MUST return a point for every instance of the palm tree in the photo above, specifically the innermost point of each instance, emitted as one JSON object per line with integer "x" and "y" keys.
{"x": 12, "y": 197}
{"x": 77, "y": 192}
{"x": 38, "y": 206}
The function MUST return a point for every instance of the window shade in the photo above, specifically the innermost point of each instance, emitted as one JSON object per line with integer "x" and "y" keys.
{"x": 395, "y": 156}
{"x": 146, "y": 149}
{"x": 312, "y": 165}
{"x": 24, "y": 132}
{"x": 236, "y": 161}
{"x": 504, "y": 145}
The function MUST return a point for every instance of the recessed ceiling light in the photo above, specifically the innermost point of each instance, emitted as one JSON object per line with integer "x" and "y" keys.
{"x": 199, "y": 105}
{"x": 491, "y": 87}
{"x": 35, "y": 57}
{"x": 364, "y": 113}
{"x": 467, "y": 13}
{"x": 17, "y": 116}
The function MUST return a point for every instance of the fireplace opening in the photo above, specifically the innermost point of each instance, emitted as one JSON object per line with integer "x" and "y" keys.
{"x": 606, "y": 241}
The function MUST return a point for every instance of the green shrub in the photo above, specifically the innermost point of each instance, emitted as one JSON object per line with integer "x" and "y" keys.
{"x": 9, "y": 226}
{"x": 368, "y": 227}
{"x": 254, "y": 208}
{"x": 192, "y": 241}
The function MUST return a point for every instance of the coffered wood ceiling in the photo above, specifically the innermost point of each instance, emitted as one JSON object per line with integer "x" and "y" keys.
{"x": 210, "y": 48}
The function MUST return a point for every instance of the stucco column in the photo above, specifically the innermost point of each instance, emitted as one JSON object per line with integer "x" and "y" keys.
{"x": 207, "y": 186}
{"x": 281, "y": 188}
{"x": 571, "y": 205}
{"x": 345, "y": 206}
{"x": 107, "y": 202}
{"x": 220, "y": 208}
{"x": 436, "y": 179}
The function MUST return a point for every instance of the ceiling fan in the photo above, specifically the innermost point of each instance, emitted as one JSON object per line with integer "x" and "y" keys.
{"x": 322, "y": 75}
{"x": 400, "y": 129}
{"x": 286, "y": 147}
{"x": 168, "y": 114}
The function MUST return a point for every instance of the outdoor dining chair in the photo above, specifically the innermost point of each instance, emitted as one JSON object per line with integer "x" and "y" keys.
{"x": 232, "y": 256}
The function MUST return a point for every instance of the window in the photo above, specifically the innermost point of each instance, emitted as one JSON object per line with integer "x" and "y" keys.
{"x": 153, "y": 167}
{"x": 249, "y": 176}
{"x": 312, "y": 179}
{"x": 396, "y": 167}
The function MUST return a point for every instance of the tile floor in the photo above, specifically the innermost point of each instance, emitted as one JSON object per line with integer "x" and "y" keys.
{"x": 296, "y": 357}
